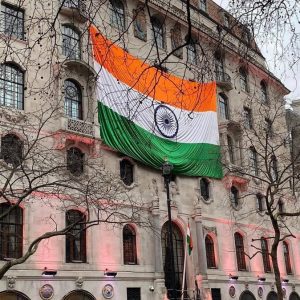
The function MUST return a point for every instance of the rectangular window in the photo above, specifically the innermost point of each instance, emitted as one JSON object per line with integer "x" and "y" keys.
{"x": 12, "y": 21}
{"x": 248, "y": 118}
{"x": 269, "y": 127}
{"x": 133, "y": 294}
{"x": 203, "y": 5}
{"x": 216, "y": 294}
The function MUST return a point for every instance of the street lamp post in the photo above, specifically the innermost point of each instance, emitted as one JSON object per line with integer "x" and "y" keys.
{"x": 166, "y": 170}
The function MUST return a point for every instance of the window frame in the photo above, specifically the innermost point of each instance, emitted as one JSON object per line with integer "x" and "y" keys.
{"x": 253, "y": 161}
{"x": 287, "y": 258}
{"x": 264, "y": 92}
{"x": 16, "y": 235}
{"x": 260, "y": 202}
{"x": 12, "y": 153}
{"x": 77, "y": 156}
{"x": 265, "y": 255}
{"x": 203, "y": 5}
{"x": 126, "y": 163}
{"x": 16, "y": 86}
{"x": 230, "y": 146}
{"x": 248, "y": 121}
{"x": 223, "y": 107}
{"x": 240, "y": 252}
{"x": 234, "y": 196}
{"x": 129, "y": 245}
{"x": 71, "y": 45}
{"x": 191, "y": 53}
{"x": 71, "y": 238}
{"x": 73, "y": 104}
{"x": 210, "y": 252}
{"x": 158, "y": 32}
{"x": 20, "y": 32}
{"x": 243, "y": 76}
{"x": 205, "y": 188}
{"x": 117, "y": 16}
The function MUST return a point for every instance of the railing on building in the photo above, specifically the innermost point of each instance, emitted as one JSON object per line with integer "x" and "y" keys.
{"x": 74, "y": 8}
{"x": 82, "y": 127}
{"x": 224, "y": 80}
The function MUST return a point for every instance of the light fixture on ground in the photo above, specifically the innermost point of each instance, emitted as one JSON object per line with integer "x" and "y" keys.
{"x": 108, "y": 273}
{"x": 49, "y": 272}
{"x": 166, "y": 173}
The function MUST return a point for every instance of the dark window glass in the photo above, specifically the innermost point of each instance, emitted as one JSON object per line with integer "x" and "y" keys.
{"x": 73, "y": 100}
{"x": 280, "y": 206}
{"x": 133, "y": 294}
{"x": 11, "y": 86}
{"x": 79, "y": 295}
{"x": 269, "y": 127}
{"x": 260, "y": 202}
{"x": 219, "y": 67}
{"x": 247, "y": 117}
{"x": 129, "y": 245}
{"x": 274, "y": 168}
{"x": 272, "y": 296}
{"x": 234, "y": 196}
{"x": 11, "y": 149}
{"x": 158, "y": 32}
{"x": 126, "y": 171}
{"x": 264, "y": 92}
{"x": 240, "y": 252}
{"x": 11, "y": 232}
{"x": 216, "y": 294}
{"x": 243, "y": 80}
{"x": 230, "y": 149}
{"x": 117, "y": 14}
{"x": 265, "y": 255}
{"x": 191, "y": 52}
{"x": 204, "y": 188}
{"x": 12, "y": 21}
{"x": 178, "y": 254}
{"x": 210, "y": 252}
{"x": 75, "y": 161}
{"x": 226, "y": 21}
{"x": 287, "y": 259}
{"x": 76, "y": 238}
{"x": 12, "y": 295}
{"x": 253, "y": 161}
{"x": 202, "y": 5}
{"x": 223, "y": 107}
{"x": 71, "y": 42}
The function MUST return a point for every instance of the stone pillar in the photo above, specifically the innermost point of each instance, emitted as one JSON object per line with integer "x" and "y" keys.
{"x": 201, "y": 269}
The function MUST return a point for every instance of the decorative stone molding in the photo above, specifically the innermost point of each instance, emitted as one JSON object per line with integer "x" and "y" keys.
{"x": 10, "y": 282}
{"x": 232, "y": 291}
{"x": 246, "y": 285}
{"x": 260, "y": 292}
{"x": 207, "y": 229}
{"x": 79, "y": 283}
{"x": 46, "y": 292}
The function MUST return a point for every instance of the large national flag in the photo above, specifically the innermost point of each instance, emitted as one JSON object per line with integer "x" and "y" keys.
{"x": 151, "y": 115}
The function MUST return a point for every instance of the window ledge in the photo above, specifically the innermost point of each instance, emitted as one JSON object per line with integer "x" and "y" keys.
{"x": 12, "y": 38}
{"x": 129, "y": 187}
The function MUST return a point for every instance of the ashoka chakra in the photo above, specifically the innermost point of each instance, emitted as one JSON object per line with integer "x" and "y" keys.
{"x": 166, "y": 121}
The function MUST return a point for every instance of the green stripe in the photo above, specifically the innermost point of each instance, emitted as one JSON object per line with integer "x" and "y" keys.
{"x": 134, "y": 141}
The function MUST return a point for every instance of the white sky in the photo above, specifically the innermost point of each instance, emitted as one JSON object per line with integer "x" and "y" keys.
{"x": 289, "y": 76}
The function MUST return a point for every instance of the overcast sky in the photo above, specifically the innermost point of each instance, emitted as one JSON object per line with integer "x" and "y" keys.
{"x": 290, "y": 77}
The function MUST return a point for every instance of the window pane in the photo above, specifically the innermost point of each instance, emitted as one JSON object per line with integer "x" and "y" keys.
{"x": 117, "y": 14}
{"x": 71, "y": 43}
{"x": 73, "y": 100}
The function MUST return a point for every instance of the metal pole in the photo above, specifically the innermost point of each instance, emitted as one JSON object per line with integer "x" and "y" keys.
{"x": 170, "y": 239}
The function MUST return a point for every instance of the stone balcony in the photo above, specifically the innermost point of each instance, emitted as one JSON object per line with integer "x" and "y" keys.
{"x": 75, "y": 9}
{"x": 224, "y": 81}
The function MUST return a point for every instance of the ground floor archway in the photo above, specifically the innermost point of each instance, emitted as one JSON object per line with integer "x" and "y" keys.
{"x": 79, "y": 295}
{"x": 294, "y": 296}
{"x": 13, "y": 295}
{"x": 272, "y": 296}
{"x": 247, "y": 295}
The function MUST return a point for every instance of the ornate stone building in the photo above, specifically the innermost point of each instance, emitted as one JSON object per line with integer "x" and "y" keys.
{"x": 47, "y": 73}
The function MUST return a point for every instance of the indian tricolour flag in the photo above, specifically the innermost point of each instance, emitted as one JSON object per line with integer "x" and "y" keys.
{"x": 151, "y": 115}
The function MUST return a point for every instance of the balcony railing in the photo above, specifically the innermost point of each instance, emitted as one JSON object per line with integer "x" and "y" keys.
{"x": 81, "y": 127}
{"x": 224, "y": 80}
{"x": 74, "y": 8}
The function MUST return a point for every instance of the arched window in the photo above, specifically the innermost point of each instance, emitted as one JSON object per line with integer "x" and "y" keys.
{"x": 117, "y": 14}
{"x": 129, "y": 245}
{"x": 71, "y": 42}
{"x": 13, "y": 295}
{"x": 11, "y": 232}
{"x": 76, "y": 239}
{"x": 191, "y": 52}
{"x": 264, "y": 92}
{"x": 287, "y": 259}
{"x": 210, "y": 252}
{"x": 204, "y": 188}
{"x": 240, "y": 252}
{"x": 11, "y": 86}
{"x": 158, "y": 32}
{"x": 253, "y": 161}
{"x": 243, "y": 80}
{"x": 75, "y": 161}
{"x": 73, "y": 100}
{"x": 11, "y": 149}
{"x": 126, "y": 171}
{"x": 265, "y": 255}
{"x": 260, "y": 202}
{"x": 178, "y": 255}
{"x": 79, "y": 295}
{"x": 272, "y": 296}
{"x": 247, "y": 295}
{"x": 223, "y": 107}
{"x": 234, "y": 196}
{"x": 230, "y": 149}
{"x": 294, "y": 296}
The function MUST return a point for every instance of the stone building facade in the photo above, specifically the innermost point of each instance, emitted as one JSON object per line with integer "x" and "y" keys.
{"x": 47, "y": 65}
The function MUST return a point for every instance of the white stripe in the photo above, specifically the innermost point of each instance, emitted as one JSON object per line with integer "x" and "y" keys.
{"x": 194, "y": 127}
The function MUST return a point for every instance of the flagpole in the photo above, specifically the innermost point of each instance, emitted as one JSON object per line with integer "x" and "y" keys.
{"x": 184, "y": 270}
